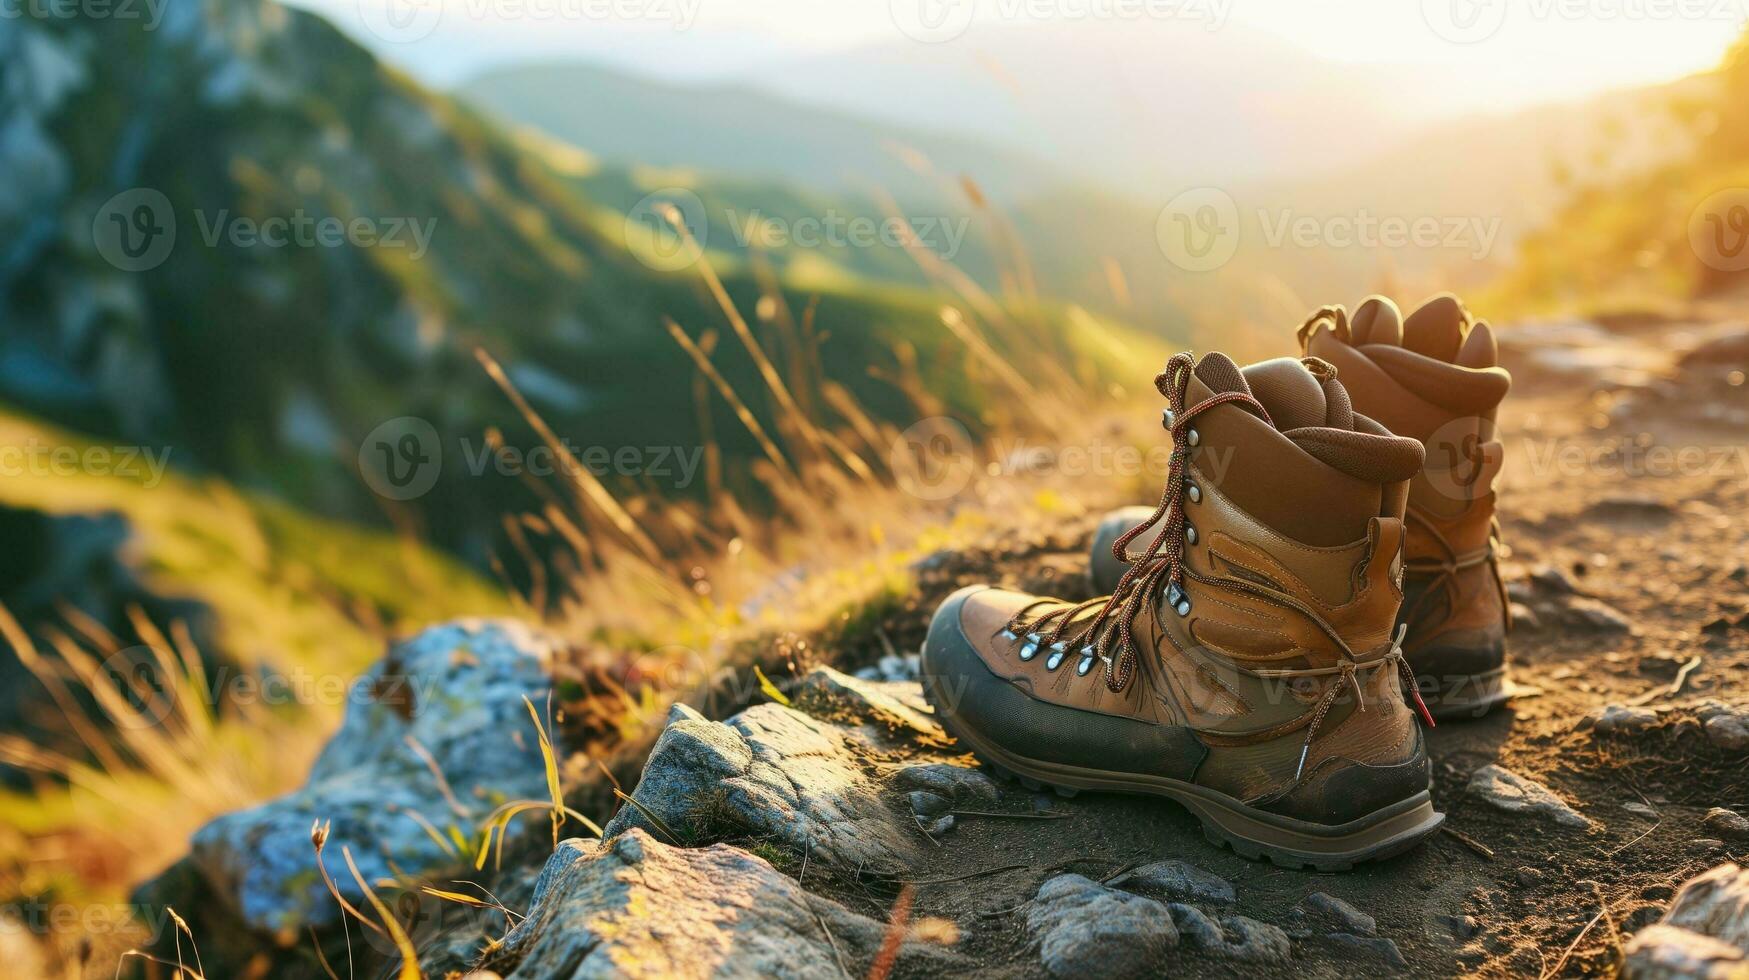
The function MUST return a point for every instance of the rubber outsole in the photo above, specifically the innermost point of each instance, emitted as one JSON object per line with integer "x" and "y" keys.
{"x": 1226, "y": 822}
{"x": 1469, "y": 696}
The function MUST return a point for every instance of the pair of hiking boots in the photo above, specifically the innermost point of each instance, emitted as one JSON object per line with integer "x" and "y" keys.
{"x": 1319, "y": 571}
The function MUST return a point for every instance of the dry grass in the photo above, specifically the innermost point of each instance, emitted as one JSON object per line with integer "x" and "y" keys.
{"x": 616, "y": 568}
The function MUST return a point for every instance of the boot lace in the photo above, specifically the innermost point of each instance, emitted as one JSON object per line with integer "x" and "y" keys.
{"x": 1111, "y": 631}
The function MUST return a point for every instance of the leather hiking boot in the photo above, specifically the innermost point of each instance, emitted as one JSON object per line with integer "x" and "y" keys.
{"x": 1434, "y": 377}
{"x": 1246, "y": 664}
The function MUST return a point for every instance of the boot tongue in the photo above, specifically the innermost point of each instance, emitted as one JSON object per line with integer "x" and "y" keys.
{"x": 1437, "y": 329}
{"x": 1295, "y": 398}
{"x": 1376, "y": 321}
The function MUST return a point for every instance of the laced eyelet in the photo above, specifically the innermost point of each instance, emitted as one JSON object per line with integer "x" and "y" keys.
{"x": 1166, "y": 418}
{"x": 1059, "y": 650}
{"x": 1008, "y": 635}
{"x": 1030, "y": 650}
{"x": 1194, "y": 492}
{"x": 1177, "y": 599}
{"x": 1084, "y": 666}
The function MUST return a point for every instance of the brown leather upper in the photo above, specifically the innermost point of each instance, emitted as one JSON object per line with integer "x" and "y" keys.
{"x": 1434, "y": 377}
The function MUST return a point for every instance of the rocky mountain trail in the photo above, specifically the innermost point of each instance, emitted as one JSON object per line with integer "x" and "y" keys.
{"x": 846, "y": 826}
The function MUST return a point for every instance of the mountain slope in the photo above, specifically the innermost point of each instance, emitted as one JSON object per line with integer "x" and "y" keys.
{"x": 266, "y": 348}
{"x": 742, "y": 133}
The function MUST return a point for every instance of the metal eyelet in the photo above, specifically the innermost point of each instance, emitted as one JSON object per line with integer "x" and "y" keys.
{"x": 1030, "y": 650}
{"x": 1190, "y": 534}
{"x": 1194, "y": 491}
{"x": 1192, "y": 437}
{"x": 1166, "y": 418}
{"x": 1177, "y": 599}
{"x": 1084, "y": 666}
{"x": 1059, "y": 650}
{"x": 1008, "y": 634}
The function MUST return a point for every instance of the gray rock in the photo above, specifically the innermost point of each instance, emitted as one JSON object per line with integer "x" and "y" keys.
{"x": 1195, "y": 928}
{"x": 957, "y": 783}
{"x": 635, "y": 907}
{"x": 1726, "y": 823}
{"x": 1384, "y": 949}
{"x": 927, "y": 804}
{"x": 1513, "y": 793}
{"x": 1336, "y": 915}
{"x": 1663, "y": 952}
{"x": 1461, "y": 927}
{"x": 1704, "y": 936}
{"x": 1254, "y": 942}
{"x": 774, "y": 773}
{"x": 1639, "y": 809}
{"x": 1233, "y": 937}
{"x": 1592, "y": 615}
{"x": 940, "y": 825}
{"x": 1178, "y": 881}
{"x": 889, "y": 708}
{"x": 1726, "y": 726}
{"x": 1619, "y": 719}
{"x": 1706, "y": 845}
{"x": 457, "y": 691}
{"x": 1084, "y": 929}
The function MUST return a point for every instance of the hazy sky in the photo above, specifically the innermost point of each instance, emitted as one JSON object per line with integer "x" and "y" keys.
{"x": 1515, "y": 51}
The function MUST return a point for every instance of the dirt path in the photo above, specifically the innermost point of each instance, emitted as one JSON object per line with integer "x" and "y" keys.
{"x": 1623, "y": 505}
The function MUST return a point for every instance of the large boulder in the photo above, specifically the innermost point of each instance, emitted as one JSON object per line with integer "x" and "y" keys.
{"x": 776, "y": 774}
{"x": 453, "y": 692}
{"x": 1704, "y": 936}
{"x": 635, "y": 907}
